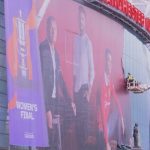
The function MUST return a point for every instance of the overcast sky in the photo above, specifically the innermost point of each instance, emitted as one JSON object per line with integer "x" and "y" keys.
{"x": 143, "y": 5}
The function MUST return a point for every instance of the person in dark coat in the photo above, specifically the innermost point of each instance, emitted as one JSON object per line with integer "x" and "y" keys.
{"x": 57, "y": 99}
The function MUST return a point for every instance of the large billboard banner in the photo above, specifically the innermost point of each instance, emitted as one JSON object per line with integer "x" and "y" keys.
{"x": 26, "y": 106}
{"x": 65, "y": 76}
{"x": 83, "y": 78}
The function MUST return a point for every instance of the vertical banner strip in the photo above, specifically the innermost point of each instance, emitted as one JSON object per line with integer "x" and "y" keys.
{"x": 27, "y": 125}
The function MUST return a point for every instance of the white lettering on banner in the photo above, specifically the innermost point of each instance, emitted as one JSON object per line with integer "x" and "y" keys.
{"x": 29, "y": 135}
{"x": 27, "y": 110}
{"x": 27, "y": 115}
{"x": 26, "y": 106}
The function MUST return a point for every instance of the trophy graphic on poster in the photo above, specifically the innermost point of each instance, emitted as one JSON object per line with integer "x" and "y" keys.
{"x": 22, "y": 51}
{"x": 23, "y": 77}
